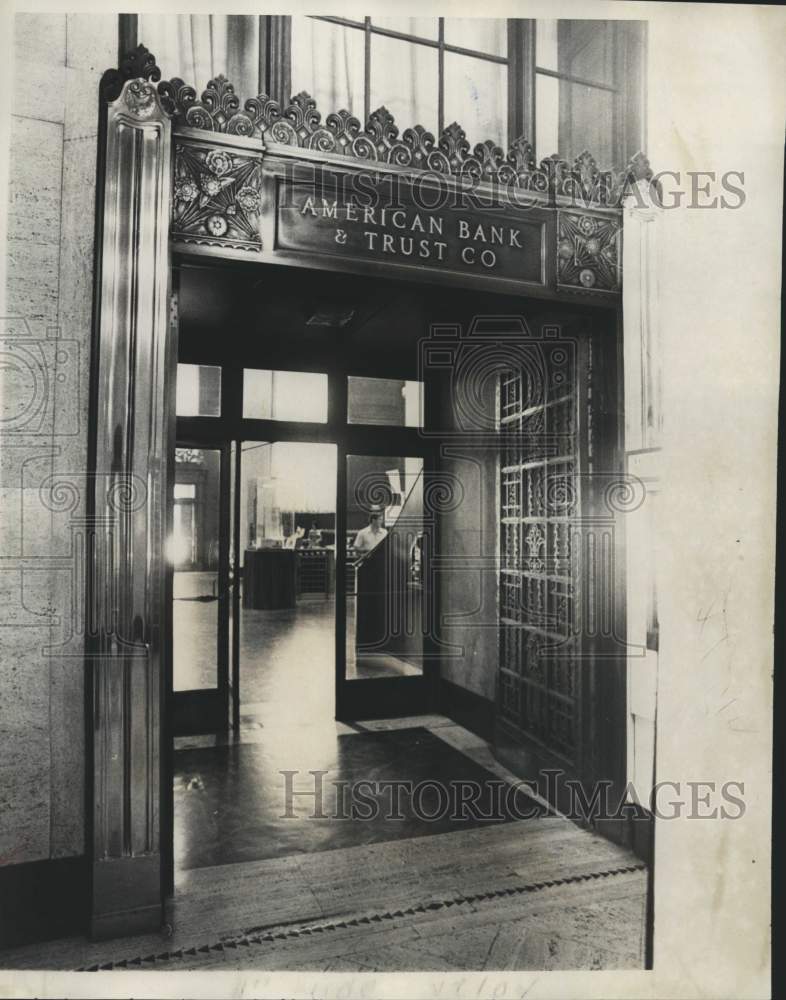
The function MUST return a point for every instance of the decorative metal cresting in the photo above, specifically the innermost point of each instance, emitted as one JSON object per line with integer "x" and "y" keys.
{"x": 138, "y": 64}
{"x": 221, "y": 145}
{"x": 300, "y": 124}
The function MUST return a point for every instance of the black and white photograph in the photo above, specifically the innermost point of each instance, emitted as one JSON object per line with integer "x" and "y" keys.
{"x": 388, "y": 451}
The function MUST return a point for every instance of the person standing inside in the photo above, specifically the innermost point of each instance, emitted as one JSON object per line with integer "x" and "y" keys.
{"x": 368, "y": 538}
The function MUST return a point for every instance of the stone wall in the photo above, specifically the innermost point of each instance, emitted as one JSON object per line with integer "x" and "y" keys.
{"x": 46, "y": 315}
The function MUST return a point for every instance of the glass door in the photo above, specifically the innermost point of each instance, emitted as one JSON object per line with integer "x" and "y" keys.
{"x": 388, "y": 534}
{"x": 300, "y": 545}
{"x": 201, "y": 582}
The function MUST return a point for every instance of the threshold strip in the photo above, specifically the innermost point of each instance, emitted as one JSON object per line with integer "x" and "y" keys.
{"x": 261, "y": 935}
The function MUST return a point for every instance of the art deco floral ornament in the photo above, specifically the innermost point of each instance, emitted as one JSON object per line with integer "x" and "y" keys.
{"x": 217, "y": 196}
{"x": 587, "y": 251}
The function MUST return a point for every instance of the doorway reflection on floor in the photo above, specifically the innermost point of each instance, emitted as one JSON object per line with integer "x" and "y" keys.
{"x": 227, "y": 787}
{"x": 194, "y": 626}
{"x": 287, "y": 654}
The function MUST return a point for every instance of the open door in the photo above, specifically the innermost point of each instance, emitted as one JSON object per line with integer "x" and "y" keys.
{"x": 561, "y": 672}
{"x": 201, "y": 588}
{"x": 384, "y": 662}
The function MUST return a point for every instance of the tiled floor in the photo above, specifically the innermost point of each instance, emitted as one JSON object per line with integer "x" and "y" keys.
{"x": 249, "y": 801}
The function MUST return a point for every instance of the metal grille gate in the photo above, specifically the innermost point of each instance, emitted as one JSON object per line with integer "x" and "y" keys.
{"x": 544, "y": 451}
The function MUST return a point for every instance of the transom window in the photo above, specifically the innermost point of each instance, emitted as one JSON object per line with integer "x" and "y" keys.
{"x": 577, "y": 87}
{"x": 426, "y": 71}
{"x": 566, "y": 85}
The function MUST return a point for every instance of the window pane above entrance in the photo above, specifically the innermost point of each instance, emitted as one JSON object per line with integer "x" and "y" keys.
{"x": 405, "y": 79}
{"x": 483, "y": 34}
{"x": 275, "y": 395}
{"x": 328, "y": 62}
{"x": 384, "y": 402}
{"x": 198, "y": 391}
{"x": 571, "y": 118}
{"x": 476, "y": 92}
{"x": 419, "y": 27}
{"x": 582, "y": 49}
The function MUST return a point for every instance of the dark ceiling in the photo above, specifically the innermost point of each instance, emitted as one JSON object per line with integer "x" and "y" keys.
{"x": 269, "y": 316}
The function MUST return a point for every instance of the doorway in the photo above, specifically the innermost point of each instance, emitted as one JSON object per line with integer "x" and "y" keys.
{"x": 284, "y": 661}
{"x": 307, "y": 466}
{"x": 297, "y": 556}
{"x": 334, "y": 433}
{"x": 290, "y": 624}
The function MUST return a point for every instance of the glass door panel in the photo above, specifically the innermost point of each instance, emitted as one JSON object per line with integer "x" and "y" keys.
{"x": 384, "y": 552}
{"x": 198, "y": 554}
{"x": 233, "y": 608}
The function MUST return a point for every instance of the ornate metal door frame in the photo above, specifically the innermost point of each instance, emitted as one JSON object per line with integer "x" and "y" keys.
{"x": 129, "y": 421}
{"x": 157, "y": 145}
